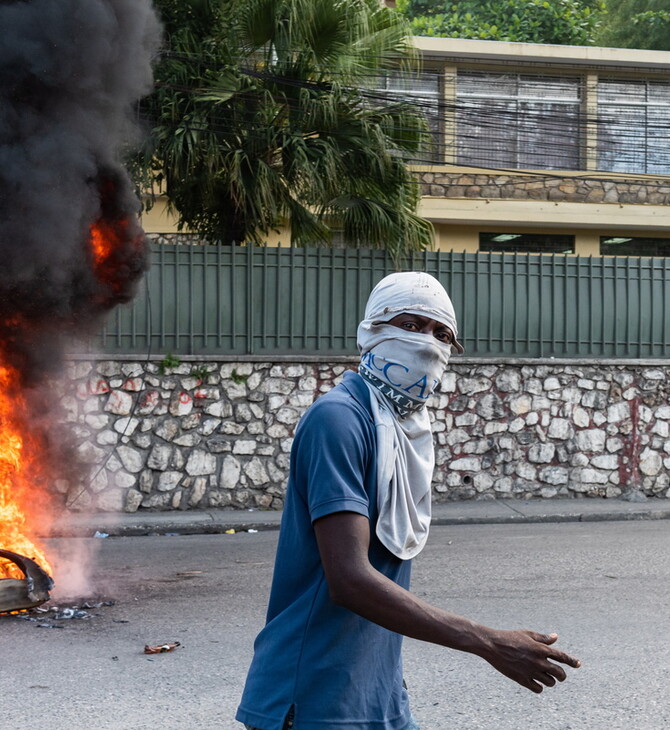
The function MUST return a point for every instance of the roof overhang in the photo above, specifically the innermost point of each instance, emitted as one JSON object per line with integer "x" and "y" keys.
{"x": 491, "y": 52}
{"x": 546, "y": 214}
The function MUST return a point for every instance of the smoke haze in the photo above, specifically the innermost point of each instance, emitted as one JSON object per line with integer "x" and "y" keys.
{"x": 71, "y": 73}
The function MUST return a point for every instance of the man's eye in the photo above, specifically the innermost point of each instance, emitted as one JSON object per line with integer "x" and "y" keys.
{"x": 409, "y": 325}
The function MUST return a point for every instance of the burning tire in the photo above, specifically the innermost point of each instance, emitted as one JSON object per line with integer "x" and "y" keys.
{"x": 18, "y": 594}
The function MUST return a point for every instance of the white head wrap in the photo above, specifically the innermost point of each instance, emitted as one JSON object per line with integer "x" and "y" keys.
{"x": 401, "y": 369}
{"x": 415, "y": 292}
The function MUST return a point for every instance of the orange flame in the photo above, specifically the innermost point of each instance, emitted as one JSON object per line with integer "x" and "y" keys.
{"x": 104, "y": 236}
{"x": 19, "y": 474}
{"x": 111, "y": 241}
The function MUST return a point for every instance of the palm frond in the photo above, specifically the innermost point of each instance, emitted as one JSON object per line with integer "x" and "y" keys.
{"x": 260, "y": 115}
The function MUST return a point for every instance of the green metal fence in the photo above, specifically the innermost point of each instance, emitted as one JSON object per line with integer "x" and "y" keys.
{"x": 282, "y": 301}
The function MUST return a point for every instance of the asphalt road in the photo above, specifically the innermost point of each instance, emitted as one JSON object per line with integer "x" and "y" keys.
{"x": 604, "y": 587}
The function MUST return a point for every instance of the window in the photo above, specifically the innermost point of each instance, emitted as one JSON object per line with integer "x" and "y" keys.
{"x": 508, "y": 120}
{"x": 622, "y": 246}
{"x": 526, "y": 243}
{"x": 634, "y": 126}
{"x": 422, "y": 90}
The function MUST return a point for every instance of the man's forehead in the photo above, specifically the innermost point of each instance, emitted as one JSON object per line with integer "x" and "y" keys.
{"x": 418, "y": 317}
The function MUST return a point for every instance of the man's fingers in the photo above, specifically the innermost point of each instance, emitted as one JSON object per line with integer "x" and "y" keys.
{"x": 561, "y": 656}
{"x": 556, "y": 671}
{"x": 543, "y": 638}
{"x": 533, "y": 686}
{"x": 547, "y": 679}
{"x": 529, "y": 659}
{"x": 555, "y": 654}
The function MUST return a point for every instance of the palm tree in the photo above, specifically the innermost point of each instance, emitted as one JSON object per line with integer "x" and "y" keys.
{"x": 265, "y": 114}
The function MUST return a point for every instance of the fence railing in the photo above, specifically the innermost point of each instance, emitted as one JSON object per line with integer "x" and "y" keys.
{"x": 282, "y": 301}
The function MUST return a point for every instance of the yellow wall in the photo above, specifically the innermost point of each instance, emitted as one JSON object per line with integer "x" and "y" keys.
{"x": 158, "y": 219}
{"x": 462, "y": 237}
{"x": 547, "y": 214}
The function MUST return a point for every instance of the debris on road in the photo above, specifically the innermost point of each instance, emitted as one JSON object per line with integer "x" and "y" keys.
{"x": 97, "y": 604}
{"x": 161, "y": 648}
{"x": 43, "y": 616}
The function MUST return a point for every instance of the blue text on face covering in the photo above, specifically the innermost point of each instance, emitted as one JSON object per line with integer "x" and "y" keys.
{"x": 422, "y": 384}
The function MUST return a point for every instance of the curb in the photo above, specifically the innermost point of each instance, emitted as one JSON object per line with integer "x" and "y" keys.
{"x": 494, "y": 512}
{"x": 637, "y": 515}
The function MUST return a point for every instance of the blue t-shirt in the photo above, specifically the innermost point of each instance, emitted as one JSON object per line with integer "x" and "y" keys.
{"x": 335, "y": 668}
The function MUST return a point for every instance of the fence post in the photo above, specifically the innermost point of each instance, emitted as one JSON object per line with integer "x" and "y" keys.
{"x": 250, "y": 300}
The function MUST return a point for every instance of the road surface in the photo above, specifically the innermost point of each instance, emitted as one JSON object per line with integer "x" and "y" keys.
{"x": 604, "y": 587}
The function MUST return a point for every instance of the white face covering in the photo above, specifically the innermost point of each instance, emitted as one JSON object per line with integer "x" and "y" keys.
{"x": 405, "y": 366}
{"x": 402, "y": 369}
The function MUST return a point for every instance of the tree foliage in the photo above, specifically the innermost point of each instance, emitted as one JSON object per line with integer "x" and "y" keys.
{"x": 636, "y": 24}
{"x": 569, "y": 22}
{"x": 260, "y": 117}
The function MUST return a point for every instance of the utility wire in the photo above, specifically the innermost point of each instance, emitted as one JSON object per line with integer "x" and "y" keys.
{"x": 522, "y": 129}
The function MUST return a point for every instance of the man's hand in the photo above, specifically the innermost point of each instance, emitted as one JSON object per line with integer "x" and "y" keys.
{"x": 528, "y": 658}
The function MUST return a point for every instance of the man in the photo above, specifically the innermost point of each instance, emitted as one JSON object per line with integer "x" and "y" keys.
{"x": 357, "y": 511}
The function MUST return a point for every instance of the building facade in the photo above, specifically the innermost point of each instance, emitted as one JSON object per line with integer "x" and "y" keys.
{"x": 537, "y": 148}
{"x": 543, "y": 148}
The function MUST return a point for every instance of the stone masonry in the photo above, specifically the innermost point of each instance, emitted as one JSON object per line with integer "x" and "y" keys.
{"x": 218, "y": 434}
{"x": 537, "y": 187}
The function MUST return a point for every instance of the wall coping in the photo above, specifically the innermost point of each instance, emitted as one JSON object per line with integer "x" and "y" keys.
{"x": 463, "y": 50}
{"x": 331, "y": 359}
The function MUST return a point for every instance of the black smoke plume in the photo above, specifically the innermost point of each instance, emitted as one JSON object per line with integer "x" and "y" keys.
{"x": 71, "y": 74}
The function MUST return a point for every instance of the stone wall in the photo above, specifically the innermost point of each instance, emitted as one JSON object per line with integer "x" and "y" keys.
{"x": 535, "y": 187}
{"x": 218, "y": 434}
{"x": 183, "y": 239}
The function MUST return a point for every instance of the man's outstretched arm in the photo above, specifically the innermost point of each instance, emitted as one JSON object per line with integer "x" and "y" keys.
{"x": 526, "y": 657}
